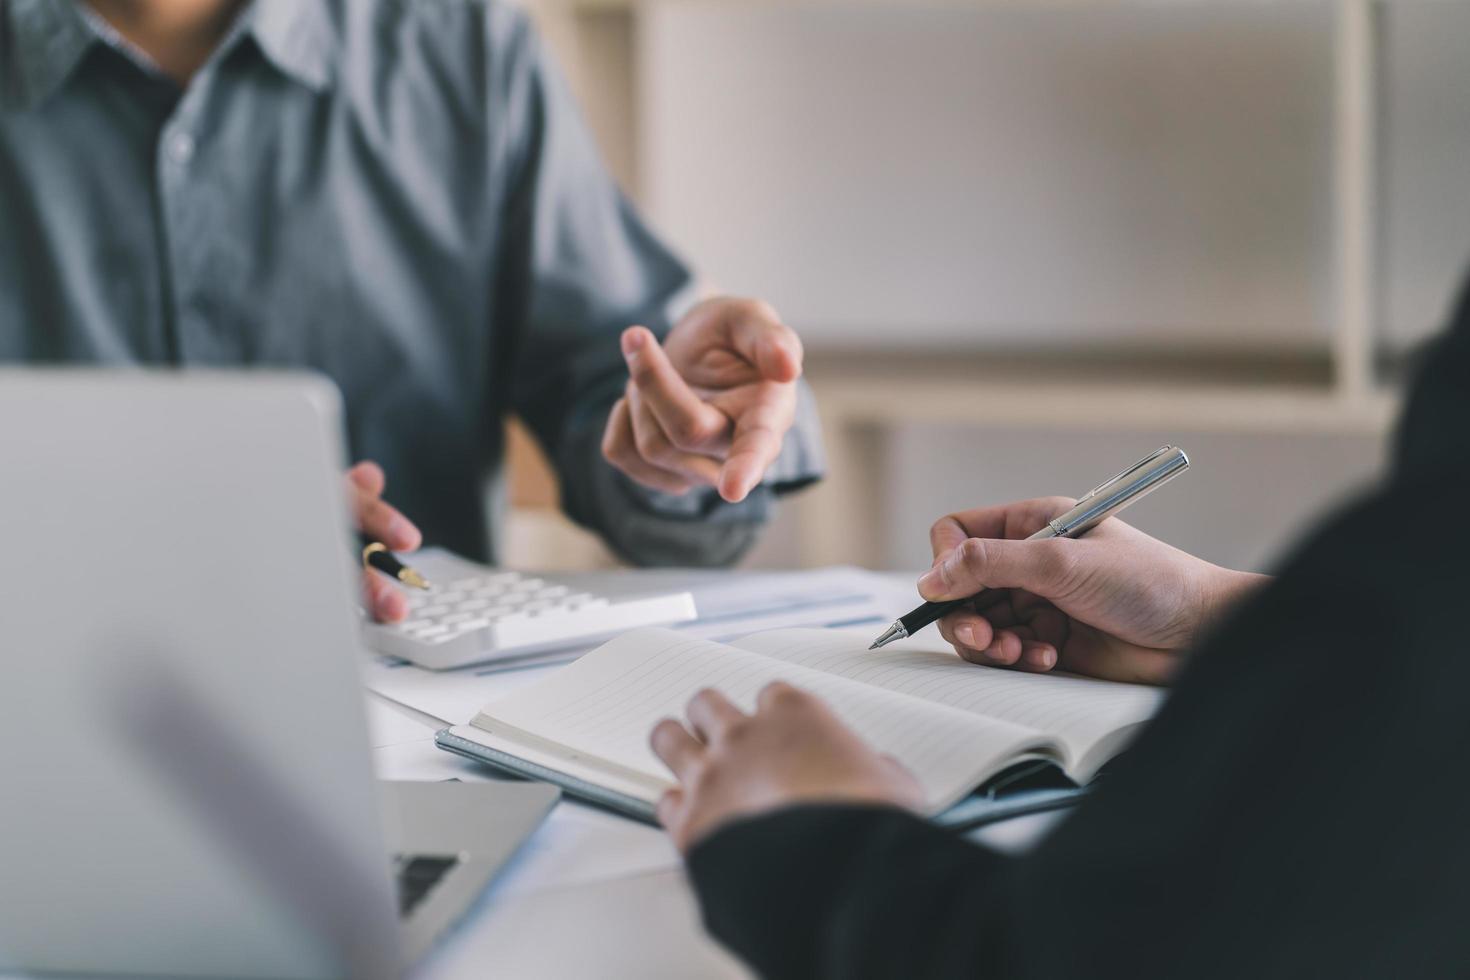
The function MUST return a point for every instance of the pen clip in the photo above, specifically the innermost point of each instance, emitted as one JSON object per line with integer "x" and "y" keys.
{"x": 1128, "y": 472}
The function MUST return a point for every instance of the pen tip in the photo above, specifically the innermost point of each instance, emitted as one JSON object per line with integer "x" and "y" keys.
{"x": 894, "y": 632}
{"x": 410, "y": 577}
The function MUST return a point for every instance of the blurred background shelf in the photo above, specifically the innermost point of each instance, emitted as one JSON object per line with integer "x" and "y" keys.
{"x": 1019, "y": 237}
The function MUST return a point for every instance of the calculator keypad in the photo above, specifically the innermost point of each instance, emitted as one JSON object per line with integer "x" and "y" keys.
{"x": 467, "y": 605}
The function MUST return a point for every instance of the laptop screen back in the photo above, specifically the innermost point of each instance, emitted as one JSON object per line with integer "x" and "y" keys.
{"x": 182, "y": 744}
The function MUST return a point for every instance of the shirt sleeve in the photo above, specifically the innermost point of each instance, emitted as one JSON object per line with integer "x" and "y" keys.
{"x": 846, "y": 892}
{"x": 1296, "y": 808}
{"x": 577, "y": 266}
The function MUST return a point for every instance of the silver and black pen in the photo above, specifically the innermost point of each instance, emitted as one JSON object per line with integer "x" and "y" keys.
{"x": 1133, "y": 484}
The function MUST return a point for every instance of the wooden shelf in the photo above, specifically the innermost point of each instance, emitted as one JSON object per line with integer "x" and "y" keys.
{"x": 896, "y": 400}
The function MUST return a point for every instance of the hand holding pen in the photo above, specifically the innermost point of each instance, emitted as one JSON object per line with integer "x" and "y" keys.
{"x": 380, "y": 523}
{"x": 1116, "y": 603}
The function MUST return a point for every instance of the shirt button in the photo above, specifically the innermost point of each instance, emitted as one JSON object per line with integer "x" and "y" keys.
{"x": 181, "y": 148}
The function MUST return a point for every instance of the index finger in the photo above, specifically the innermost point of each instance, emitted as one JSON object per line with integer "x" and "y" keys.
{"x": 685, "y": 418}
{"x": 757, "y": 442}
{"x": 1003, "y": 522}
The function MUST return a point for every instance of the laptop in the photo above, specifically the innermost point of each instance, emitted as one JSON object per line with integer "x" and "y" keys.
{"x": 184, "y": 759}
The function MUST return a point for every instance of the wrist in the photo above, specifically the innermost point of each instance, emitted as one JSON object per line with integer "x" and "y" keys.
{"x": 1229, "y": 588}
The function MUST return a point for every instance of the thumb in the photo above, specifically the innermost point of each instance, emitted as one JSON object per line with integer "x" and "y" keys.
{"x": 772, "y": 347}
{"x": 779, "y": 357}
{"x": 992, "y": 563}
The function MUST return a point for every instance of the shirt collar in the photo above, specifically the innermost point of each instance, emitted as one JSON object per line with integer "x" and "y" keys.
{"x": 47, "y": 39}
{"x": 297, "y": 36}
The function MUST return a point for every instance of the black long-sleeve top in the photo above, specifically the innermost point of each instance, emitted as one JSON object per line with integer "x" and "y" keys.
{"x": 1300, "y": 806}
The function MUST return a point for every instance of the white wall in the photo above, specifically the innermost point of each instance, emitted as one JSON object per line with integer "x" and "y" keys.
{"x": 1246, "y": 497}
{"x": 1424, "y": 241}
{"x": 1151, "y": 175}
{"x": 905, "y": 174}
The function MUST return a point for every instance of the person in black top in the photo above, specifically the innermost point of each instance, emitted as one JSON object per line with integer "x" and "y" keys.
{"x": 1299, "y": 807}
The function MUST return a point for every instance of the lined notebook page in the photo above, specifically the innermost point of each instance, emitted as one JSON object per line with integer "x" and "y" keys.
{"x": 1081, "y": 712}
{"x": 605, "y": 705}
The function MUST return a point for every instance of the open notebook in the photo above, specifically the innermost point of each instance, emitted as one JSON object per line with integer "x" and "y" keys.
{"x": 954, "y": 724}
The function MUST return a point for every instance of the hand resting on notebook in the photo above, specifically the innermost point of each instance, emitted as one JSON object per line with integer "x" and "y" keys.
{"x": 1116, "y": 604}
{"x": 792, "y": 750}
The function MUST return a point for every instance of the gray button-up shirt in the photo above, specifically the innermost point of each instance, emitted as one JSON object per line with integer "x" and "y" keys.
{"x": 400, "y": 195}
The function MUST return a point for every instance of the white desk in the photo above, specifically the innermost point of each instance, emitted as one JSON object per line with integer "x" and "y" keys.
{"x": 591, "y": 895}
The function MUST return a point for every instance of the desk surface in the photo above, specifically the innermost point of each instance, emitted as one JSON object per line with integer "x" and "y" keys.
{"x": 591, "y": 894}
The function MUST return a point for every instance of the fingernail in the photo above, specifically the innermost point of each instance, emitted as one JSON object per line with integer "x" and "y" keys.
{"x": 632, "y": 342}
{"x": 966, "y": 635}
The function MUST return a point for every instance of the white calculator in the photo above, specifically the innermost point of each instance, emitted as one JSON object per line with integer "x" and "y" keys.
{"x": 474, "y": 614}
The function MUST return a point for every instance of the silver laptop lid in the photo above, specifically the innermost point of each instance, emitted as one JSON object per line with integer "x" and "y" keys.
{"x": 182, "y": 745}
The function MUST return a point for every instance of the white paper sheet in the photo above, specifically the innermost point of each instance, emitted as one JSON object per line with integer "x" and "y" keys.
{"x": 731, "y": 605}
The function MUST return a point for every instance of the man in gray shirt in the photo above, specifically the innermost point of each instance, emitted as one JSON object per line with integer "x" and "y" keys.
{"x": 400, "y": 195}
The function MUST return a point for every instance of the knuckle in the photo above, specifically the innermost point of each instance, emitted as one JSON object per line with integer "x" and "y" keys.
{"x": 972, "y": 552}
{"x": 738, "y": 732}
{"x": 969, "y": 558}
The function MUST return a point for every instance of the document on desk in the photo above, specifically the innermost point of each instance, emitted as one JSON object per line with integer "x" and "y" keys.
{"x": 730, "y": 606}
{"x": 955, "y": 725}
